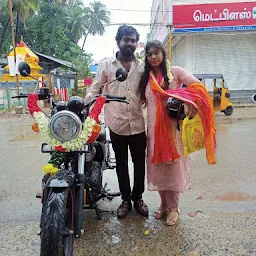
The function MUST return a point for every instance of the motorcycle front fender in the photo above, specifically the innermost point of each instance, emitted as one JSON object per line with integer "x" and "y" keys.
{"x": 64, "y": 180}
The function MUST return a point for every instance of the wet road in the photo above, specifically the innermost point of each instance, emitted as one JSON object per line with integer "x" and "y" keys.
{"x": 224, "y": 225}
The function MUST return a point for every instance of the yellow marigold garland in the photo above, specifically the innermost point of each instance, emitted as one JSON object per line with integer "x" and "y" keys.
{"x": 50, "y": 169}
{"x": 169, "y": 72}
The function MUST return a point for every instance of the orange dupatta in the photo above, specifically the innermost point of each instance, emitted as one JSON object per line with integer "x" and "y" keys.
{"x": 164, "y": 143}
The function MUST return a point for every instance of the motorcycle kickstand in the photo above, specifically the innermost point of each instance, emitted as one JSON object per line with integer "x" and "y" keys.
{"x": 94, "y": 205}
{"x": 105, "y": 193}
{"x": 98, "y": 212}
{"x": 109, "y": 196}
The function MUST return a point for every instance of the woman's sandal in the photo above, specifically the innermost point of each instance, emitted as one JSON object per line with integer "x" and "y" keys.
{"x": 172, "y": 217}
{"x": 160, "y": 213}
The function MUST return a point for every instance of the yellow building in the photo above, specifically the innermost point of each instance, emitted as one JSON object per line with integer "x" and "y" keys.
{"x": 27, "y": 56}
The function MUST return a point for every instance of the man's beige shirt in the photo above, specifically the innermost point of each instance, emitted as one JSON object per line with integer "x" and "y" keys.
{"x": 121, "y": 118}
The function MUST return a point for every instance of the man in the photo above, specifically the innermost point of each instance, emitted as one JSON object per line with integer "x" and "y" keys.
{"x": 125, "y": 121}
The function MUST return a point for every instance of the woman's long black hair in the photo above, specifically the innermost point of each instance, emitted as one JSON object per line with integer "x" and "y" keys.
{"x": 145, "y": 77}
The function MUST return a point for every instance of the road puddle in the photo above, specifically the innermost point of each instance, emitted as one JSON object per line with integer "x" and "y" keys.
{"x": 115, "y": 239}
{"x": 235, "y": 196}
{"x": 17, "y": 133}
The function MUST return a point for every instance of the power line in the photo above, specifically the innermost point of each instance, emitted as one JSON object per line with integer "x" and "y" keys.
{"x": 126, "y": 10}
{"x": 136, "y": 24}
{"x": 186, "y": 25}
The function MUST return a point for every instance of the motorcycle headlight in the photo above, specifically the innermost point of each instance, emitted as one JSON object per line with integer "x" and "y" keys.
{"x": 65, "y": 125}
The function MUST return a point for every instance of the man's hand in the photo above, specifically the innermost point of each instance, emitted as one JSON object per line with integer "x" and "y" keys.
{"x": 189, "y": 110}
{"x": 87, "y": 98}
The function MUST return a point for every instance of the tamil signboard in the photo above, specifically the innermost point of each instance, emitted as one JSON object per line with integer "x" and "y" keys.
{"x": 214, "y": 17}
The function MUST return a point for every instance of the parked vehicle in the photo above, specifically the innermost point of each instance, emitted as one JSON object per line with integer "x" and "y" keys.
{"x": 221, "y": 93}
{"x": 77, "y": 183}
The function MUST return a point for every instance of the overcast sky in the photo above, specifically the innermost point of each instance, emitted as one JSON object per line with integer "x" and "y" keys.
{"x": 103, "y": 46}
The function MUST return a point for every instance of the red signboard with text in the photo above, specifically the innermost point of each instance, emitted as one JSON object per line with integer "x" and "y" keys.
{"x": 222, "y": 15}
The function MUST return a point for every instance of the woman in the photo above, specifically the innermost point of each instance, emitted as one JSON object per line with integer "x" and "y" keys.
{"x": 170, "y": 175}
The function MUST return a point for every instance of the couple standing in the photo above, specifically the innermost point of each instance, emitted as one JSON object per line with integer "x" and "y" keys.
{"x": 127, "y": 128}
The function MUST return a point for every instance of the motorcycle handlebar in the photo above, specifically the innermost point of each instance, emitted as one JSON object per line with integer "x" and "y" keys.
{"x": 109, "y": 98}
{"x": 18, "y": 97}
{"x": 26, "y": 94}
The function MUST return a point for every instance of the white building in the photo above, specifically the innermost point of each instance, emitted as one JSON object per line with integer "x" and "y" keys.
{"x": 213, "y": 37}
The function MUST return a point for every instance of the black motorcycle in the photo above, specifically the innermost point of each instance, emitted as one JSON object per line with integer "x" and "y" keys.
{"x": 77, "y": 184}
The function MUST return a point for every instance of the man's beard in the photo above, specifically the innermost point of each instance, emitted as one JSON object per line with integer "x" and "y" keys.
{"x": 127, "y": 51}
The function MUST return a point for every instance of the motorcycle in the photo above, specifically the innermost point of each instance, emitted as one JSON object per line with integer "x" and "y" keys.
{"x": 76, "y": 182}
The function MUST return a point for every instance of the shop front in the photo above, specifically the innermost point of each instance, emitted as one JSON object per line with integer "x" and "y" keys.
{"x": 218, "y": 38}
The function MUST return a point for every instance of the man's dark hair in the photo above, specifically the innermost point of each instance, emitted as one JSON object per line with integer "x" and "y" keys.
{"x": 125, "y": 30}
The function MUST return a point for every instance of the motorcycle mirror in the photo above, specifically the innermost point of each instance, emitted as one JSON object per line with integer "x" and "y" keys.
{"x": 121, "y": 74}
{"x": 24, "y": 69}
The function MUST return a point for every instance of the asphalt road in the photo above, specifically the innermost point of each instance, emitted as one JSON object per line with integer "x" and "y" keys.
{"x": 223, "y": 194}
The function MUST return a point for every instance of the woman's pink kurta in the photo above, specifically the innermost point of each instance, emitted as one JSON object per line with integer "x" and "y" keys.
{"x": 167, "y": 176}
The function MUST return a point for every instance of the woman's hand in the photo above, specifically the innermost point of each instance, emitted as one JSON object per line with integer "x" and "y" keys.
{"x": 189, "y": 110}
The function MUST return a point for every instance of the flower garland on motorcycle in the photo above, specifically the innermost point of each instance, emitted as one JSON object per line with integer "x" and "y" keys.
{"x": 89, "y": 133}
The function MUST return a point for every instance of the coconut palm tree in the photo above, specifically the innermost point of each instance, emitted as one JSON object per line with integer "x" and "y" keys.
{"x": 4, "y": 22}
{"x": 97, "y": 19}
{"x": 75, "y": 3}
{"x": 76, "y": 20}
{"x": 76, "y": 24}
{"x": 23, "y": 10}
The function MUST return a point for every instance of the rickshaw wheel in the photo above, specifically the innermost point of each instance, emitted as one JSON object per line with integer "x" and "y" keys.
{"x": 229, "y": 111}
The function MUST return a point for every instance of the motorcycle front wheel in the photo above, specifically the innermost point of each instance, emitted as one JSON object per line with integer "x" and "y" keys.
{"x": 56, "y": 223}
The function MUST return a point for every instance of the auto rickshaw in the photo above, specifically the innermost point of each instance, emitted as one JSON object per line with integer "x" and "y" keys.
{"x": 220, "y": 94}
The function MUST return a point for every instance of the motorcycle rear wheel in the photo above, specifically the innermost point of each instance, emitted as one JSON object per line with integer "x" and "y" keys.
{"x": 56, "y": 239}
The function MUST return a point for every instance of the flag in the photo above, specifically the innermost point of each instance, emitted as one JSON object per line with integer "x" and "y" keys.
{"x": 87, "y": 81}
{"x": 11, "y": 64}
{"x": 61, "y": 90}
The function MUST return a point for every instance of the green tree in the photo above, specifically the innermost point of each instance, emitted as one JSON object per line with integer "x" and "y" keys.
{"x": 55, "y": 28}
{"x": 48, "y": 33}
{"x": 22, "y": 10}
{"x": 5, "y": 27}
{"x": 25, "y": 8}
{"x": 97, "y": 19}
{"x": 75, "y": 3}
{"x": 76, "y": 23}
{"x": 138, "y": 56}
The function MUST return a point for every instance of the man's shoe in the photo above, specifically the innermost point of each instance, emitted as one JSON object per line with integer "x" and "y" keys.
{"x": 124, "y": 209}
{"x": 141, "y": 207}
